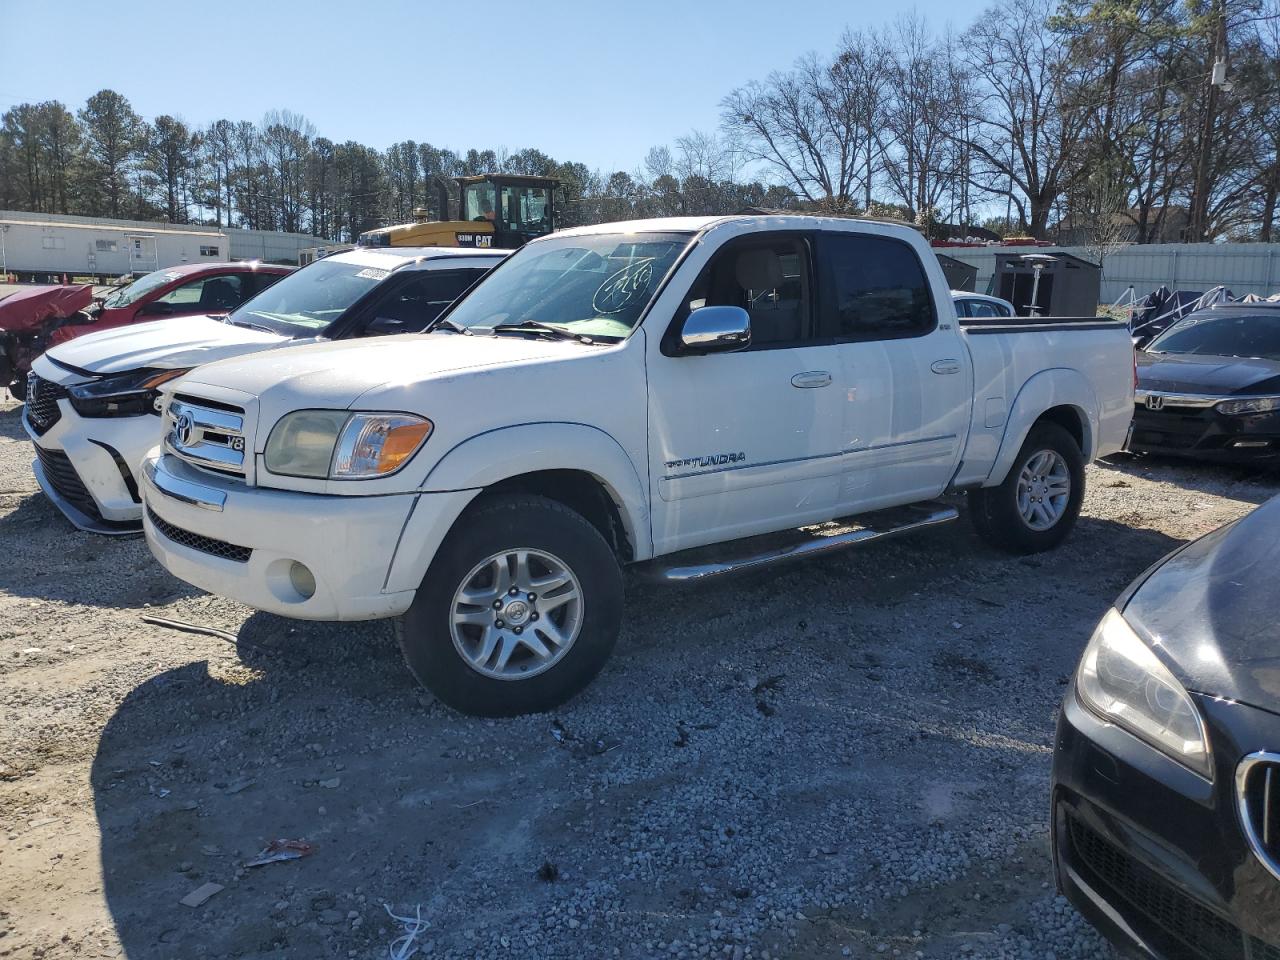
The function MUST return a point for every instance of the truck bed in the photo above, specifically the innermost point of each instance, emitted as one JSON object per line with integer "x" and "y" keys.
{"x": 1011, "y": 355}
{"x": 981, "y": 325}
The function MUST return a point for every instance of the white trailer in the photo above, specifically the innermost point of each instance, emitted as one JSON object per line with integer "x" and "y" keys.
{"x": 46, "y": 246}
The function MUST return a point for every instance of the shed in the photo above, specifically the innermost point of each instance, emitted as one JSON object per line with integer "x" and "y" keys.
{"x": 960, "y": 275}
{"x": 1069, "y": 285}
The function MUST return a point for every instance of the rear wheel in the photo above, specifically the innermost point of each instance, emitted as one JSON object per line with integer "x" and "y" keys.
{"x": 518, "y": 612}
{"x": 1039, "y": 501}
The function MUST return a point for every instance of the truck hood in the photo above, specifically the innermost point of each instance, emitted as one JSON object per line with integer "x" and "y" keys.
{"x": 335, "y": 375}
{"x": 1197, "y": 373}
{"x": 170, "y": 343}
{"x": 1209, "y": 610}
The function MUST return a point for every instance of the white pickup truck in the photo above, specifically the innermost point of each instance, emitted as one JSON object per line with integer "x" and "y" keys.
{"x": 686, "y": 394}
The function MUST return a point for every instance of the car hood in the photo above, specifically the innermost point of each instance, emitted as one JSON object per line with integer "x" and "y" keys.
{"x": 335, "y": 375}
{"x": 1210, "y": 610}
{"x": 167, "y": 344}
{"x": 1194, "y": 373}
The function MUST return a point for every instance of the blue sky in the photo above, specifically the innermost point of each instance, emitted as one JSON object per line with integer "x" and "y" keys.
{"x": 598, "y": 82}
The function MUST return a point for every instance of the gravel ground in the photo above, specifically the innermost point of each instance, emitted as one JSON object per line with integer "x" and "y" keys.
{"x": 846, "y": 758}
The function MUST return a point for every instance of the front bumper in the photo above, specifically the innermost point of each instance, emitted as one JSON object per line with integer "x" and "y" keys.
{"x": 240, "y": 542}
{"x": 1153, "y": 855}
{"x": 89, "y": 467}
{"x": 1205, "y": 434}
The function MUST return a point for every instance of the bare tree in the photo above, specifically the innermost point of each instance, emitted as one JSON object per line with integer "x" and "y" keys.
{"x": 1030, "y": 120}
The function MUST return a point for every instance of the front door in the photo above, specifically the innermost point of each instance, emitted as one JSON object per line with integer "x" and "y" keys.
{"x": 746, "y": 442}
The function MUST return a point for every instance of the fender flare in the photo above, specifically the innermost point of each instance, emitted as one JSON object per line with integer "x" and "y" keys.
{"x": 1057, "y": 387}
{"x": 487, "y": 458}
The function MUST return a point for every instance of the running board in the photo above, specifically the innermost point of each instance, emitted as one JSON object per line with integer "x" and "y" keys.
{"x": 751, "y": 553}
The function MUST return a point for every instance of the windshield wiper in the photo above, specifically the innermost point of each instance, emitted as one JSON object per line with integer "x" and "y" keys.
{"x": 251, "y": 326}
{"x": 537, "y": 326}
{"x": 446, "y": 322}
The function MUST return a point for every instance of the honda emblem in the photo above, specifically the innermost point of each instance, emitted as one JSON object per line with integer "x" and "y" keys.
{"x": 1155, "y": 401}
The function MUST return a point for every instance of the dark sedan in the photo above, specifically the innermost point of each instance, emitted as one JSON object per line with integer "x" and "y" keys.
{"x": 1209, "y": 386}
{"x": 1166, "y": 771}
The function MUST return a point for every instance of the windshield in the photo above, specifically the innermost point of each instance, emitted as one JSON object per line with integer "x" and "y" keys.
{"x": 478, "y": 202}
{"x": 304, "y": 303}
{"x": 127, "y": 296}
{"x": 1233, "y": 335}
{"x": 596, "y": 285}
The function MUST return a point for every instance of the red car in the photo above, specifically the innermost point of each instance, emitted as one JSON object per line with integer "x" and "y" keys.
{"x": 34, "y": 319}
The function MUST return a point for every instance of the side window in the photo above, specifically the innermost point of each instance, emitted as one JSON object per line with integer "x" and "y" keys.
{"x": 980, "y": 308}
{"x": 767, "y": 278}
{"x": 210, "y": 293}
{"x": 964, "y": 308}
{"x": 260, "y": 281}
{"x": 418, "y": 301}
{"x": 875, "y": 289}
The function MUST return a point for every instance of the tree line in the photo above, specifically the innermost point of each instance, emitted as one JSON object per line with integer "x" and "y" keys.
{"x": 1093, "y": 118}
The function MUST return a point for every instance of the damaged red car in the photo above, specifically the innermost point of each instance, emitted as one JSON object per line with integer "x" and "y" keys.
{"x": 35, "y": 318}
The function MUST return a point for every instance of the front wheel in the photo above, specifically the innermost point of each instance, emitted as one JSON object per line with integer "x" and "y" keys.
{"x": 1038, "y": 503}
{"x": 518, "y": 612}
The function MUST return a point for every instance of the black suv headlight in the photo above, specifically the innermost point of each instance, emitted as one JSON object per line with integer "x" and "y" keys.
{"x": 130, "y": 394}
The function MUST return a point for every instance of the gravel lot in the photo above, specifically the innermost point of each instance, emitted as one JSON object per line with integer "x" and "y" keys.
{"x": 843, "y": 758}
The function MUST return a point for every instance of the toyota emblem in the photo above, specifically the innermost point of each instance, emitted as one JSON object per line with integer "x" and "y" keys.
{"x": 1155, "y": 402}
{"x": 182, "y": 428}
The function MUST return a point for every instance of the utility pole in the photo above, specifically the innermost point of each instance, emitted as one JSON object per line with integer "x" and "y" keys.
{"x": 1217, "y": 79}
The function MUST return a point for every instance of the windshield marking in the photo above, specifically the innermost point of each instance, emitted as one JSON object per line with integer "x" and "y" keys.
{"x": 624, "y": 287}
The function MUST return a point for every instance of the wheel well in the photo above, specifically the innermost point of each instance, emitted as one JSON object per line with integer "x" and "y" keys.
{"x": 1069, "y": 419}
{"x": 581, "y": 492}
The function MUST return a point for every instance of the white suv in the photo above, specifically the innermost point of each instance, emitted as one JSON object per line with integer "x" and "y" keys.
{"x": 93, "y": 404}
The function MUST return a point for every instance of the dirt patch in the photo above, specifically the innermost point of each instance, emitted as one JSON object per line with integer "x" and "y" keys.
{"x": 822, "y": 761}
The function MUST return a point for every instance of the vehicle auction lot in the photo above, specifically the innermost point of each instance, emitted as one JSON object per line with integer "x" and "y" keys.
{"x": 847, "y": 757}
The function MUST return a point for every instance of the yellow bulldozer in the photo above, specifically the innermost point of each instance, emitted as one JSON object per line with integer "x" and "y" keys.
{"x": 498, "y": 210}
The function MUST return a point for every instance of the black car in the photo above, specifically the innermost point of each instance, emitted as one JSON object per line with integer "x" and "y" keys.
{"x": 1166, "y": 769}
{"x": 1209, "y": 386}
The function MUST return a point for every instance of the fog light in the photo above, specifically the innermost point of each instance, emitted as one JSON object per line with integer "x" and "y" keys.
{"x": 1253, "y": 444}
{"x": 303, "y": 580}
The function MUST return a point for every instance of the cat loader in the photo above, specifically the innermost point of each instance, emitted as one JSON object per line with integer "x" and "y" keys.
{"x": 497, "y": 210}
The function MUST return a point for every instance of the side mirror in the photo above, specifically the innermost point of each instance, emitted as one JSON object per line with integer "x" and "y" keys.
{"x": 156, "y": 308}
{"x": 716, "y": 330}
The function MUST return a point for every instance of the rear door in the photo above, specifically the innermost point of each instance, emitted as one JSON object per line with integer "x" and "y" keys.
{"x": 746, "y": 442}
{"x": 905, "y": 377}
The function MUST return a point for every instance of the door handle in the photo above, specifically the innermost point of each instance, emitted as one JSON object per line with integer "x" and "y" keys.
{"x": 811, "y": 378}
{"x": 943, "y": 367}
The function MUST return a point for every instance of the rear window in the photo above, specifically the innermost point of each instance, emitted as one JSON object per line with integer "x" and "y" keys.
{"x": 876, "y": 289}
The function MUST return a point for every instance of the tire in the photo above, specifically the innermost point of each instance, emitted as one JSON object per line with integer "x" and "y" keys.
{"x": 18, "y": 389}
{"x": 549, "y": 535}
{"x": 997, "y": 513}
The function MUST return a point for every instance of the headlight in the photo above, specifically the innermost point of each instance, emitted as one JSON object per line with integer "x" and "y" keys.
{"x": 337, "y": 445}
{"x": 1235, "y": 408}
{"x": 1124, "y": 682}
{"x": 128, "y": 395}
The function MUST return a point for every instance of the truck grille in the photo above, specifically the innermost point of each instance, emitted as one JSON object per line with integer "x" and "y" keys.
{"x": 42, "y": 403}
{"x": 206, "y": 433}
{"x": 196, "y": 541}
{"x": 62, "y": 476}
